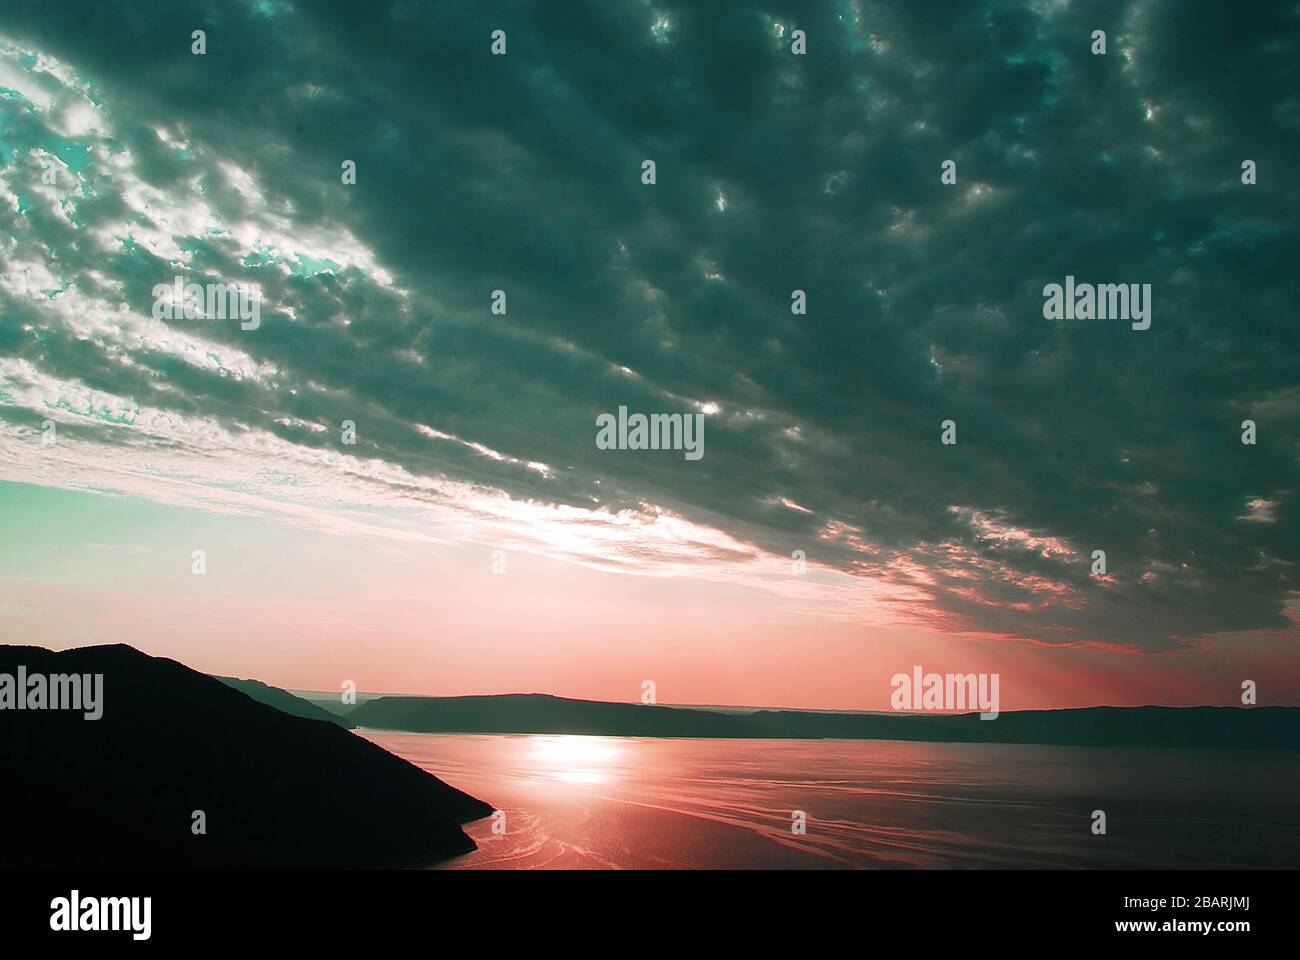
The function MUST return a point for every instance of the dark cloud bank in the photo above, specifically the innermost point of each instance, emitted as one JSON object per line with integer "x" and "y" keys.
{"x": 774, "y": 172}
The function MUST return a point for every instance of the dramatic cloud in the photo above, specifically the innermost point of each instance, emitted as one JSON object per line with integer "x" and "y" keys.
{"x": 775, "y": 172}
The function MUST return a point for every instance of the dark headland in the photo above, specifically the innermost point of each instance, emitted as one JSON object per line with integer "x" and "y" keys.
{"x": 276, "y": 790}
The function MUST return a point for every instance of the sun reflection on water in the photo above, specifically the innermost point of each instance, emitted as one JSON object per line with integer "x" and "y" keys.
{"x": 573, "y": 759}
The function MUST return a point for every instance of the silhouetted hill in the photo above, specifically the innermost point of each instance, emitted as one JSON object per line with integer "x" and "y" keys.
{"x": 330, "y": 702}
{"x": 540, "y": 713}
{"x": 285, "y": 702}
{"x": 277, "y": 790}
{"x": 1255, "y": 727}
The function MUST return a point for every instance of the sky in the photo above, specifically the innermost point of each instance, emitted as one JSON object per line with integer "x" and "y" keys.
{"x": 469, "y": 534}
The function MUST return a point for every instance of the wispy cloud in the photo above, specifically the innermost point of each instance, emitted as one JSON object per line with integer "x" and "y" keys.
{"x": 521, "y": 173}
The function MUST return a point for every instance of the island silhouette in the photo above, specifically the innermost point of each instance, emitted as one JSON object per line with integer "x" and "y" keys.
{"x": 1149, "y": 726}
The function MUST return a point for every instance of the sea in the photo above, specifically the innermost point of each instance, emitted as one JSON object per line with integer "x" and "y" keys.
{"x": 579, "y": 802}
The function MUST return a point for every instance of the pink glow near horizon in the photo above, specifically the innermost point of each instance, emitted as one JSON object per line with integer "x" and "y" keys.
{"x": 308, "y": 607}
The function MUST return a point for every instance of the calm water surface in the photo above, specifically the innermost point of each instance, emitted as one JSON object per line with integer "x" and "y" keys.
{"x": 608, "y": 802}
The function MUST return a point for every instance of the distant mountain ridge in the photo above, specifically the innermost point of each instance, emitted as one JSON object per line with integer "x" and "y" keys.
{"x": 285, "y": 701}
{"x": 275, "y": 790}
{"x": 1274, "y": 728}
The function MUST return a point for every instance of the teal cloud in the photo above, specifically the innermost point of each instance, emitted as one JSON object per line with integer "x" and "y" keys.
{"x": 820, "y": 173}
